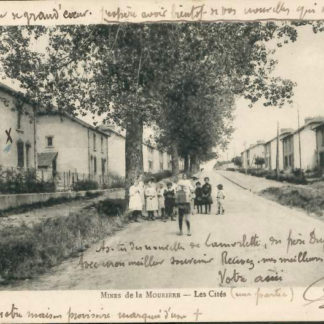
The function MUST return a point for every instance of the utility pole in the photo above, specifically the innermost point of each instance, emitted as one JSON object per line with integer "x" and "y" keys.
{"x": 277, "y": 152}
{"x": 245, "y": 157}
{"x": 300, "y": 158}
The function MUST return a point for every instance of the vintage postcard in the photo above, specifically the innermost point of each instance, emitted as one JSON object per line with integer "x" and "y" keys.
{"x": 161, "y": 161}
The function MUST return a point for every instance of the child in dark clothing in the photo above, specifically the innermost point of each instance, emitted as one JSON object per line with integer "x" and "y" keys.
{"x": 169, "y": 201}
{"x": 183, "y": 204}
{"x": 206, "y": 195}
{"x": 198, "y": 197}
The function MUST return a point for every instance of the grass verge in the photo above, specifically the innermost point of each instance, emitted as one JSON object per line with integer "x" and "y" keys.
{"x": 309, "y": 198}
{"x": 26, "y": 252}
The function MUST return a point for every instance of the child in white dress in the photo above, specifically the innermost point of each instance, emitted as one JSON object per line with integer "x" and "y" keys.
{"x": 135, "y": 201}
{"x": 220, "y": 198}
{"x": 152, "y": 205}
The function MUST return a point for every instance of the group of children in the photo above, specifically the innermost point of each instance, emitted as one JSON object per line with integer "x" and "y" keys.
{"x": 158, "y": 200}
{"x": 203, "y": 197}
{"x": 153, "y": 199}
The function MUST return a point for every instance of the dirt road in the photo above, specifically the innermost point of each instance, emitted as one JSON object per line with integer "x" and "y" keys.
{"x": 151, "y": 255}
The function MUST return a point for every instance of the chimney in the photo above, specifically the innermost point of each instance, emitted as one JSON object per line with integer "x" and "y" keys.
{"x": 107, "y": 128}
{"x": 286, "y": 130}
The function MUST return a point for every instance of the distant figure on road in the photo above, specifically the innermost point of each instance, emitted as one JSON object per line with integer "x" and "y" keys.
{"x": 220, "y": 197}
{"x": 206, "y": 195}
{"x": 198, "y": 197}
{"x": 183, "y": 204}
{"x": 169, "y": 201}
{"x": 151, "y": 199}
{"x": 135, "y": 201}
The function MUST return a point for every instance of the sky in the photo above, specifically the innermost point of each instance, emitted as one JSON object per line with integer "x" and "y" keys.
{"x": 301, "y": 62}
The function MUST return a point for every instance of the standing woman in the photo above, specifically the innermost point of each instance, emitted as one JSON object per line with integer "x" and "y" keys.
{"x": 135, "y": 201}
{"x": 206, "y": 195}
{"x": 151, "y": 199}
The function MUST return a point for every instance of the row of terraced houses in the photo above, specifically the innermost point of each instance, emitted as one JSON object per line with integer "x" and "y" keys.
{"x": 63, "y": 146}
{"x": 302, "y": 148}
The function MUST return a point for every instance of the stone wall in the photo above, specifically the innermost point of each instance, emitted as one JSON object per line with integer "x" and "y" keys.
{"x": 13, "y": 201}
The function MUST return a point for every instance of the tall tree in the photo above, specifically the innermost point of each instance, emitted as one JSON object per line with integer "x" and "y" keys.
{"x": 210, "y": 65}
{"x": 138, "y": 74}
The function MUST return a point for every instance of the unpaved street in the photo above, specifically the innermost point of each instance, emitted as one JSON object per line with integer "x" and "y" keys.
{"x": 265, "y": 225}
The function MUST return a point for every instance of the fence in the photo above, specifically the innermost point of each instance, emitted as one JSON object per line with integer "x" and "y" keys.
{"x": 65, "y": 180}
{"x": 20, "y": 180}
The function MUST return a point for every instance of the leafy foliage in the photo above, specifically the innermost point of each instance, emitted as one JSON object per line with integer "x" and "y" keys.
{"x": 13, "y": 181}
{"x": 85, "y": 185}
{"x": 259, "y": 160}
{"x": 237, "y": 160}
{"x": 29, "y": 251}
{"x": 184, "y": 78}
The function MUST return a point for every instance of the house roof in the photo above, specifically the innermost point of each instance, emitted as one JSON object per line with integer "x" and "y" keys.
{"x": 46, "y": 159}
{"x": 16, "y": 93}
{"x": 318, "y": 126}
{"x": 73, "y": 118}
{"x": 285, "y": 135}
{"x": 108, "y": 130}
{"x": 19, "y": 94}
{"x": 316, "y": 121}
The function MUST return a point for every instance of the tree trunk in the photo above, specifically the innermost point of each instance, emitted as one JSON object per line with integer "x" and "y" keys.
{"x": 194, "y": 164}
{"x": 133, "y": 151}
{"x": 175, "y": 159}
{"x": 186, "y": 163}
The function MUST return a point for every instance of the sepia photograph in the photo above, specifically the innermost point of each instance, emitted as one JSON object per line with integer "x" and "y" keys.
{"x": 184, "y": 155}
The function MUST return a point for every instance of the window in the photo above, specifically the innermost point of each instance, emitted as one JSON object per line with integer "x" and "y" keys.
{"x": 161, "y": 166}
{"x": 321, "y": 161}
{"x": 20, "y": 154}
{"x": 103, "y": 166}
{"x": 291, "y": 160}
{"x": 49, "y": 141}
{"x": 95, "y": 165}
{"x": 101, "y": 142}
{"x": 150, "y": 164}
{"x": 27, "y": 155}
{"x": 94, "y": 142}
{"x": 19, "y": 113}
{"x": 288, "y": 151}
{"x": 322, "y": 135}
{"x": 288, "y": 145}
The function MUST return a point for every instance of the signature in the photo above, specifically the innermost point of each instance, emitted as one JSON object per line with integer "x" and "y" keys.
{"x": 311, "y": 293}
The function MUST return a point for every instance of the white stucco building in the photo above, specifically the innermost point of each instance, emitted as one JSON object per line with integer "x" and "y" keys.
{"x": 319, "y": 130}
{"x": 250, "y": 154}
{"x": 302, "y": 148}
{"x": 299, "y": 147}
{"x": 17, "y": 131}
{"x": 68, "y": 144}
{"x": 154, "y": 160}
